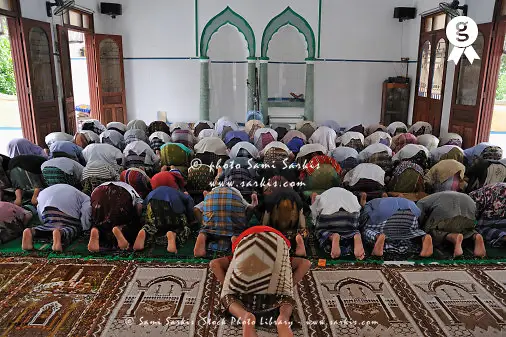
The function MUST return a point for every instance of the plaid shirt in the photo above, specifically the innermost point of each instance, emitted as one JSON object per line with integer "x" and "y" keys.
{"x": 315, "y": 163}
{"x": 224, "y": 212}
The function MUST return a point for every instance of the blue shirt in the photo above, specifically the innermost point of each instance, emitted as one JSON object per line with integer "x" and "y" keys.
{"x": 68, "y": 148}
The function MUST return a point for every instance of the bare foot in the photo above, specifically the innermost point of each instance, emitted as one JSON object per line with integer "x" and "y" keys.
{"x": 27, "y": 243}
{"x": 248, "y": 325}
{"x": 19, "y": 197}
{"x": 122, "y": 242}
{"x": 171, "y": 242}
{"x": 284, "y": 327}
{"x": 35, "y": 196}
{"x": 363, "y": 199}
{"x": 313, "y": 197}
{"x": 94, "y": 244}
{"x": 200, "y": 246}
{"x": 379, "y": 245}
{"x": 140, "y": 240}
{"x": 336, "y": 247}
{"x": 358, "y": 247}
{"x": 457, "y": 251}
{"x": 479, "y": 246}
{"x": 57, "y": 246}
{"x": 427, "y": 247}
{"x": 300, "y": 249}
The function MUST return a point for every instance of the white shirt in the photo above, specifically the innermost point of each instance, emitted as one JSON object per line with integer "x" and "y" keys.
{"x": 334, "y": 199}
{"x": 365, "y": 171}
{"x": 160, "y": 135}
{"x": 139, "y": 147}
{"x": 325, "y": 136}
{"x": 103, "y": 152}
{"x": 57, "y": 136}
{"x": 350, "y": 135}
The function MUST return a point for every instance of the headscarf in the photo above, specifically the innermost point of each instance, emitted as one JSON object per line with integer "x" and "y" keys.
{"x": 114, "y": 138}
{"x": 350, "y": 138}
{"x": 446, "y": 175}
{"x": 93, "y": 125}
{"x": 22, "y": 146}
{"x": 179, "y": 125}
{"x": 429, "y": 141}
{"x": 341, "y": 153}
{"x": 306, "y": 127}
{"x": 292, "y": 134}
{"x": 399, "y": 141}
{"x": 57, "y": 136}
{"x": 485, "y": 151}
{"x": 233, "y": 137}
{"x": 184, "y": 137}
{"x": 450, "y": 139}
{"x": 366, "y": 153}
{"x": 374, "y": 128}
{"x": 264, "y": 136}
{"x": 211, "y": 144}
{"x": 407, "y": 177}
{"x": 224, "y": 122}
{"x": 137, "y": 124}
{"x": 357, "y": 128}
{"x": 246, "y": 146}
{"x": 378, "y": 137}
{"x": 202, "y": 125}
{"x": 311, "y": 148}
{"x": 158, "y": 126}
{"x": 117, "y": 126}
{"x": 172, "y": 178}
{"x": 396, "y": 128}
{"x": 365, "y": 171}
{"x": 133, "y": 135}
{"x": 409, "y": 151}
{"x": 164, "y": 137}
{"x": 138, "y": 179}
{"x": 208, "y": 133}
{"x": 91, "y": 136}
{"x": 447, "y": 152}
{"x": 252, "y": 126}
{"x": 324, "y": 136}
{"x": 333, "y": 125}
{"x": 420, "y": 128}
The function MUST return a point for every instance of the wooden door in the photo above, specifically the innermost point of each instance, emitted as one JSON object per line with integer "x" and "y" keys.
{"x": 111, "y": 78}
{"x": 69, "y": 113}
{"x": 468, "y": 90}
{"x": 429, "y": 97}
{"x": 38, "y": 46}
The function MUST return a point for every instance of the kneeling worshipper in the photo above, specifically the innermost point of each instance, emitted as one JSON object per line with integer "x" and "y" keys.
{"x": 134, "y": 135}
{"x": 397, "y": 128}
{"x": 378, "y": 137}
{"x": 116, "y": 210}
{"x": 366, "y": 178}
{"x": 357, "y": 128}
{"x": 378, "y": 154}
{"x": 170, "y": 177}
{"x": 200, "y": 179}
{"x": 447, "y": 175}
{"x": 104, "y": 152}
{"x": 14, "y": 220}
{"x": 446, "y": 152}
{"x": 324, "y": 136}
{"x": 211, "y": 151}
{"x": 138, "y": 179}
{"x": 207, "y": 133}
{"x": 57, "y": 136}
{"x": 450, "y": 139}
{"x": 158, "y": 126}
{"x": 96, "y": 173}
{"x": 21, "y": 146}
{"x": 224, "y": 125}
{"x": 399, "y": 141}
{"x": 333, "y": 125}
{"x": 308, "y": 151}
{"x": 137, "y": 124}
{"x": 26, "y": 176}
{"x": 62, "y": 171}
{"x": 407, "y": 181}
{"x": 485, "y": 172}
{"x": 281, "y": 128}
{"x": 276, "y": 154}
{"x": 244, "y": 150}
{"x": 263, "y": 137}
{"x": 67, "y": 149}
{"x": 251, "y": 127}
{"x": 65, "y": 213}
{"x": 486, "y": 151}
{"x": 200, "y": 126}
{"x": 157, "y": 139}
{"x": 420, "y": 128}
{"x": 117, "y": 126}
{"x": 175, "y": 154}
{"x": 140, "y": 155}
{"x": 451, "y": 217}
{"x": 169, "y": 212}
{"x": 347, "y": 157}
{"x": 93, "y": 125}
{"x": 318, "y": 175}
{"x": 491, "y": 213}
{"x": 234, "y": 137}
{"x": 114, "y": 138}
{"x": 179, "y": 126}
{"x": 391, "y": 225}
{"x": 374, "y": 128}
{"x": 284, "y": 212}
{"x": 431, "y": 142}
{"x": 352, "y": 139}
{"x": 295, "y": 140}
{"x": 225, "y": 215}
{"x": 184, "y": 137}
{"x": 85, "y": 138}
{"x": 241, "y": 174}
{"x": 260, "y": 253}
{"x": 306, "y": 127}
{"x": 335, "y": 215}
{"x": 414, "y": 153}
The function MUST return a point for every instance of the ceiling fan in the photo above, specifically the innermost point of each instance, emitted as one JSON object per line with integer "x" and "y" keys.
{"x": 452, "y": 9}
{"x": 61, "y": 7}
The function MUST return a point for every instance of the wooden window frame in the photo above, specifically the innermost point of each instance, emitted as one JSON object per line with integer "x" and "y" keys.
{"x": 79, "y": 28}
{"x": 16, "y": 13}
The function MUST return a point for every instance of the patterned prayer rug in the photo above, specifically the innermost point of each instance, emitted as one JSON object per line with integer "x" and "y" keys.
{"x": 75, "y": 298}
